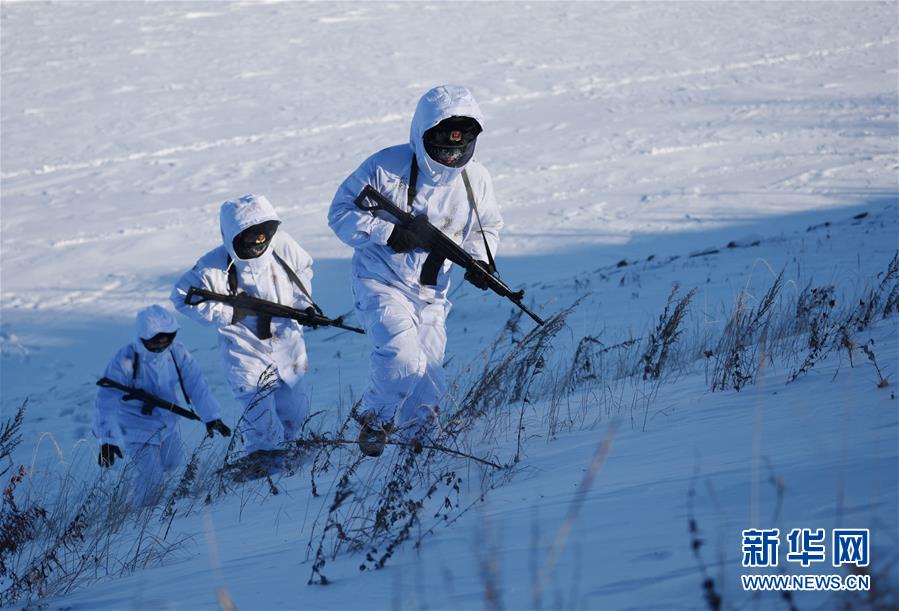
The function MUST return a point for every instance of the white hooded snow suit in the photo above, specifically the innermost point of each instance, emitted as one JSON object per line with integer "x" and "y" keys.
{"x": 404, "y": 319}
{"x": 152, "y": 442}
{"x": 279, "y": 416}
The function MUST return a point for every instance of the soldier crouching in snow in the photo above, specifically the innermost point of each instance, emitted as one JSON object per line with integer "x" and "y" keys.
{"x": 264, "y": 357}
{"x": 154, "y": 363}
{"x": 402, "y": 300}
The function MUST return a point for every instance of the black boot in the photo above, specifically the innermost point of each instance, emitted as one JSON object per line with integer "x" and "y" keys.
{"x": 373, "y": 436}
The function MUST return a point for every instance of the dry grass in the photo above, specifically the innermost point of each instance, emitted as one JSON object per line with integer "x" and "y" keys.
{"x": 527, "y": 387}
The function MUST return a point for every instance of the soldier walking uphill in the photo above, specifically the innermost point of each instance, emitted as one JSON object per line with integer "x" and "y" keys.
{"x": 157, "y": 371}
{"x": 401, "y": 297}
{"x": 264, "y": 357}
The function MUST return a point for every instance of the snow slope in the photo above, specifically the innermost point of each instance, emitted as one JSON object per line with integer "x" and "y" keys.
{"x": 615, "y": 132}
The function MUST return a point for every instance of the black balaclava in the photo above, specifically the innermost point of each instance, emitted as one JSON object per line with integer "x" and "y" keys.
{"x": 159, "y": 342}
{"x": 452, "y": 141}
{"x": 253, "y": 241}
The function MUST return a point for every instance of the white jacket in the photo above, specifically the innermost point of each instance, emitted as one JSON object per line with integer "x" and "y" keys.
{"x": 117, "y": 421}
{"x": 245, "y": 355}
{"x": 440, "y": 194}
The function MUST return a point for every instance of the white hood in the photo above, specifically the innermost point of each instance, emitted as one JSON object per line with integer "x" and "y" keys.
{"x": 237, "y": 215}
{"x": 152, "y": 321}
{"x": 441, "y": 102}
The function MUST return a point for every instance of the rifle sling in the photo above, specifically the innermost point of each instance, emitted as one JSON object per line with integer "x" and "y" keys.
{"x": 413, "y": 183}
{"x": 294, "y": 278}
{"x": 474, "y": 206}
{"x": 433, "y": 263}
{"x": 180, "y": 379}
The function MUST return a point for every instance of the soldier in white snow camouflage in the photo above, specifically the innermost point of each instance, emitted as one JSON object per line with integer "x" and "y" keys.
{"x": 403, "y": 309}
{"x": 155, "y": 363}
{"x": 265, "y": 359}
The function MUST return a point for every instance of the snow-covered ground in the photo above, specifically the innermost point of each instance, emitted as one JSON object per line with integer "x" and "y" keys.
{"x": 614, "y": 132}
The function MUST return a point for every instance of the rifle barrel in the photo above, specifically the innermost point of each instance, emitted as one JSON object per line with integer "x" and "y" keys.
{"x": 527, "y": 311}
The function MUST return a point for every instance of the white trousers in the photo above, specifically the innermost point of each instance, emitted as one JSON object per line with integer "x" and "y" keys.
{"x": 150, "y": 462}
{"x": 408, "y": 341}
{"x": 275, "y": 419}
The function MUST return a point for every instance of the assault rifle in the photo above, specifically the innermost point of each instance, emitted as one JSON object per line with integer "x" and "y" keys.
{"x": 246, "y": 305}
{"x": 441, "y": 248}
{"x": 149, "y": 400}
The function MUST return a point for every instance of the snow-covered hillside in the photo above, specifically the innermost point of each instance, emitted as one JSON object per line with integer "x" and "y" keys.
{"x": 630, "y": 145}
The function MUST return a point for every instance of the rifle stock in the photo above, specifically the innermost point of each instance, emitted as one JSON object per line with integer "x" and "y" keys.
{"x": 441, "y": 247}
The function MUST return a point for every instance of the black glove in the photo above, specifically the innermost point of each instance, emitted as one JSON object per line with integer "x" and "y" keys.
{"x": 108, "y": 452}
{"x": 404, "y": 239}
{"x": 312, "y": 311}
{"x": 479, "y": 278}
{"x": 217, "y": 426}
